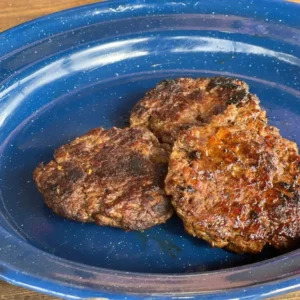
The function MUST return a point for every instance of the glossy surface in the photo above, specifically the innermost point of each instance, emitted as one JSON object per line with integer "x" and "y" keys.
{"x": 64, "y": 74}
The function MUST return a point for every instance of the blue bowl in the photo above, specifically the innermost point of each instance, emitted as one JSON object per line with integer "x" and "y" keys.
{"x": 66, "y": 73}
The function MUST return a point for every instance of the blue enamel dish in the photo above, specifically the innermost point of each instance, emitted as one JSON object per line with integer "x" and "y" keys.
{"x": 66, "y": 73}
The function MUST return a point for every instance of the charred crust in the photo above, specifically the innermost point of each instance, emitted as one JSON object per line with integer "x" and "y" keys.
{"x": 228, "y": 85}
{"x": 286, "y": 186}
{"x": 237, "y": 97}
{"x": 224, "y": 82}
{"x": 195, "y": 155}
{"x": 254, "y": 215}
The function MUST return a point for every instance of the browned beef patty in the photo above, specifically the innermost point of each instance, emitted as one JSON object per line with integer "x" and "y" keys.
{"x": 112, "y": 177}
{"x": 177, "y": 104}
{"x": 235, "y": 182}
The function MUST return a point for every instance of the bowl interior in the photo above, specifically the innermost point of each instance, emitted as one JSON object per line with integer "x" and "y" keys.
{"x": 59, "y": 88}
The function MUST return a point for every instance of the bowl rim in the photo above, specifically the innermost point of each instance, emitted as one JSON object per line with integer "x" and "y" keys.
{"x": 77, "y": 280}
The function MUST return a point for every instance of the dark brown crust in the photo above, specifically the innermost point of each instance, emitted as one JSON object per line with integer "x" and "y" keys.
{"x": 112, "y": 177}
{"x": 235, "y": 182}
{"x": 174, "y": 105}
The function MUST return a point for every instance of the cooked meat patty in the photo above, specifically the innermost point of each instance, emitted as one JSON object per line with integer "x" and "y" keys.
{"x": 177, "y": 104}
{"x": 112, "y": 177}
{"x": 235, "y": 182}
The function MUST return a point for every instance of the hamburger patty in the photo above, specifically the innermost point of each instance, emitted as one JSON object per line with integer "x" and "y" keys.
{"x": 235, "y": 182}
{"x": 112, "y": 177}
{"x": 177, "y": 104}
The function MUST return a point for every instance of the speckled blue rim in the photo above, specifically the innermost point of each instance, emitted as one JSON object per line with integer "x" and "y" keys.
{"x": 24, "y": 265}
